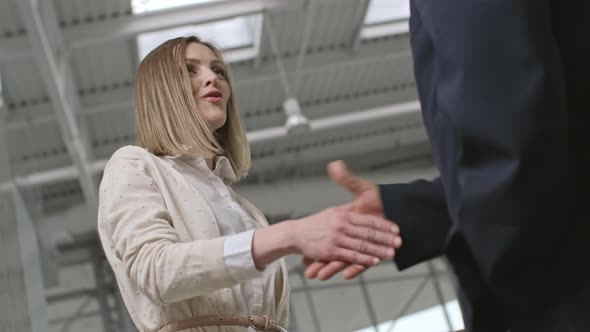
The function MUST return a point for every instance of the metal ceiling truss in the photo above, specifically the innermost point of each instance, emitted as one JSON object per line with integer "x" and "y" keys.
{"x": 340, "y": 59}
{"x": 125, "y": 27}
{"x": 386, "y": 113}
{"x": 43, "y": 31}
{"x": 24, "y": 249}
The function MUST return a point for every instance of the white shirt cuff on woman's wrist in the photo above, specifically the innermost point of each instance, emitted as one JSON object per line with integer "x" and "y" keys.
{"x": 237, "y": 253}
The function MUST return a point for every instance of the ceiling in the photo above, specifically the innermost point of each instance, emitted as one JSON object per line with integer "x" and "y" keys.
{"x": 67, "y": 69}
{"x": 329, "y": 68}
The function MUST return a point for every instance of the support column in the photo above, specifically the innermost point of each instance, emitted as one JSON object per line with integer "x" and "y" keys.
{"x": 102, "y": 294}
{"x": 22, "y": 291}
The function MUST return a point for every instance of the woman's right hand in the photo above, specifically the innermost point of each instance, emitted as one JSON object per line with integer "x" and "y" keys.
{"x": 335, "y": 234}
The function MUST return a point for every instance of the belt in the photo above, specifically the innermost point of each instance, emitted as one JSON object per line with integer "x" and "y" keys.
{"x": 259, "y": 323}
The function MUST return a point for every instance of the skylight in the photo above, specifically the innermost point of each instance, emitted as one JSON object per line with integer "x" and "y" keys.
{"x": 383, "y": 11}
{"x": 428, "y": 320}
{"x": 238, "y": 37}
{"x": 386, "y": 17}
{"x": 148, "y": 6}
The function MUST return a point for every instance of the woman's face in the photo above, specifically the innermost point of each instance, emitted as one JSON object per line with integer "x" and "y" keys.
{"x": 208, "y": 83}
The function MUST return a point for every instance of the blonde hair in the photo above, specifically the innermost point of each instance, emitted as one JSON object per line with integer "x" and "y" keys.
{"x": 166, "y": 118}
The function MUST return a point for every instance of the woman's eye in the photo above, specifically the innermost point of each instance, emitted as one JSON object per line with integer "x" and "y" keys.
{"x": 219, "y": 72}
{"x": 191, "y": 69}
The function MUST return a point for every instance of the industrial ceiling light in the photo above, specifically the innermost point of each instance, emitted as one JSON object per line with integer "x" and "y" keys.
{"x": 297, "y": 123}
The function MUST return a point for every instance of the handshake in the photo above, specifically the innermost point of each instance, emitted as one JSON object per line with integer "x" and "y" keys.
{"x": 348, "y": 238}
{"x": 378, "y": 238}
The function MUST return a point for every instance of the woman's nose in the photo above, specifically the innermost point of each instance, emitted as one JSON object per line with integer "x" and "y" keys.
{"x": 210, "y": 78}
{"x": 212, "y": 81}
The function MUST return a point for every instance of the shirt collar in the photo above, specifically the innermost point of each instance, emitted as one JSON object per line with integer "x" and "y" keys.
{"x": 222, "y": 169}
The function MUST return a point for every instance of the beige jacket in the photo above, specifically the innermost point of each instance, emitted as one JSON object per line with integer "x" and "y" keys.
{"x": 164, "y": 245}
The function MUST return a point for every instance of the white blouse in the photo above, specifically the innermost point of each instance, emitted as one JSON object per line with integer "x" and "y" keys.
{"x": 179, "y": 241}
{"x": 237, "y": 226}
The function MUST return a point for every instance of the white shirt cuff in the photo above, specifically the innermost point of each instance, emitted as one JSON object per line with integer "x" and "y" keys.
{"x": 237, "y": 253}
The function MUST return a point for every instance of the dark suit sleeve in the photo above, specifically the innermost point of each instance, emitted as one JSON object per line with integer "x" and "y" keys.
{"x": 420, "y": 210}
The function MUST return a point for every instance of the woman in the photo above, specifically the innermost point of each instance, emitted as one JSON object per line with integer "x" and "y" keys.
{"x": 187, "y": 251}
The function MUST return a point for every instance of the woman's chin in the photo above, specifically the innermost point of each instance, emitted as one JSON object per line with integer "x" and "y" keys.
{"x": 217, "y": 124}
{"x": 215, "y": 118}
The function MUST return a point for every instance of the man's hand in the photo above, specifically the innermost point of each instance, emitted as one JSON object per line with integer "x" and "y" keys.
{"x": 368, "y": 200}
{"x": 368, "y": 197}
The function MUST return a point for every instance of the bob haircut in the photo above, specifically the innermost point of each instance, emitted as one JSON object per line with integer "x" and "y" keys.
{"x": 167, "y": 121}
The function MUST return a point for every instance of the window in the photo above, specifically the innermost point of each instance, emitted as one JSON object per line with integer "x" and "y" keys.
{"x": 238, "y": 37}
{"x": 149, "y": 6}
{"x": 386, "y": 17}
{"x": 428, "y": 320}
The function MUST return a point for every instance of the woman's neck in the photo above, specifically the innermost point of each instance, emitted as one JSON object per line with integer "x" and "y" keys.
{"x": 210, "y": 162}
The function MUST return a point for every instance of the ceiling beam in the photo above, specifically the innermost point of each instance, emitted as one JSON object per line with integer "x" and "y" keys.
{"x": 41, "y": 24}
{"x": 384, "y": 113}
{"x": 323, "y": 62}
{"x": 130, "y": 26}
{"x": 123, "y": 27}
{"x": 389, "y": 113}
{"x": 356, "y": 41}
